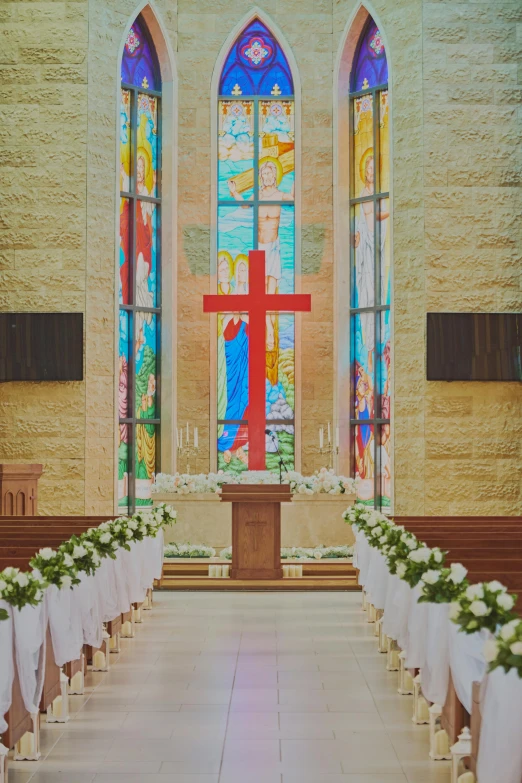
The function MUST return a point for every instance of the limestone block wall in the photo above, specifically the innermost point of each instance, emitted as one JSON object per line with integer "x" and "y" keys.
{"x": 456, "y": 167}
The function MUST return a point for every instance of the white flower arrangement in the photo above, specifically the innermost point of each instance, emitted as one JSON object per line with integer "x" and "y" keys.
{"x": 55, "y": 567}
{"x": 443, "y": 584}
{"x": 483, "y": 605}
{"x": 20, "y": 588}
{"x": 505, "y": 650}
{"x": 188, "y": 550}
{"x": 322, "y": 482}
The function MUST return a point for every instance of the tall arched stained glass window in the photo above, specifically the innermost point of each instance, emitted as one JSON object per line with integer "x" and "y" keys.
{"x": 256, "y": 138}
{"x": 139, "y": 268}
{"x": 370, "y": 270}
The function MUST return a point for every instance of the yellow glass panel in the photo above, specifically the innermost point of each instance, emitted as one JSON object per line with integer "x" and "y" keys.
{"x": 384, "y": 141}
{"x": 363, "y": 169}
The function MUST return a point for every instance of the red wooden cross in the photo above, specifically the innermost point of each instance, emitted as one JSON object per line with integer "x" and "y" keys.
{"x": 257, "y": 303}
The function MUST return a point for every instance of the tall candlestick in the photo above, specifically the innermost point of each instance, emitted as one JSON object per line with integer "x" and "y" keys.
{"x": 196, "y": 438}
{"x": 321, "y": 437}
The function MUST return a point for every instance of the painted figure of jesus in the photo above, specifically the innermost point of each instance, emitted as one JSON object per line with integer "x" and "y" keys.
{"x": 269, "y": 217}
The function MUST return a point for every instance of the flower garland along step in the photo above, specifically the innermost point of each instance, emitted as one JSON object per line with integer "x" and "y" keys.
{"x": 305, "y": 553}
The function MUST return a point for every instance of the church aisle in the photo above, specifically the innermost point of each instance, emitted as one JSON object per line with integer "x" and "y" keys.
{"x": 242, "y": 688}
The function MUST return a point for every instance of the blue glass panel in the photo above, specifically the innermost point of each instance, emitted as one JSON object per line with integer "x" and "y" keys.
{"x": 363, "y": 335}
{"x": 371, "y": 67}
{"x": 139, "y": 64}
{"x": 146, "y": 365}
{"x": 256, "y": 65}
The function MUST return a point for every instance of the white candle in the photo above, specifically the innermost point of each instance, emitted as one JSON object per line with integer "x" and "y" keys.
{"x": 329, "y": 434}
{"x": 337, "y": 437}
{"x": 196, "y": 438}
{"x": 321, "y": 437}
{"x": 181, "y": 438}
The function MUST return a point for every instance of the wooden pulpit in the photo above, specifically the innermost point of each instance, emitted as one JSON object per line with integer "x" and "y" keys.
{"x": 19, "y": 489}
{"x": 256, "y": 529}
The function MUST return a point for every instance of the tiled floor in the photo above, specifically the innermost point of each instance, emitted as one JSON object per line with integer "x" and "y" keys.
{"x": 241, "y": 688}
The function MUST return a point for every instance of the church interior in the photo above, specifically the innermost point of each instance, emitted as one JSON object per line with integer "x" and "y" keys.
{"x": 261, "y": 391}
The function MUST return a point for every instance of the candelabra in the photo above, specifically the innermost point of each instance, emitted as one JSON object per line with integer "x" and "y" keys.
{"x": 327, "y": 448}
{"x": 186, "y": 451}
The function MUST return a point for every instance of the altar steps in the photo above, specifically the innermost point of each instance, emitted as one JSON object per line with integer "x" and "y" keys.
{"x": 193, "y": 575}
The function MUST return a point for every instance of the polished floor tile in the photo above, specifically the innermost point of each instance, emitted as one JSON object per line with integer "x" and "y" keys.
{"x": 241, "y": 688}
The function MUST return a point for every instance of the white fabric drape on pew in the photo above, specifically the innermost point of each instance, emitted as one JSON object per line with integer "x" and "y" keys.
{"x": 467, "y": 662}
{"x": 500, "y": 747}
{"x": 6, "y": 664}
{"x": 30, "y": 626}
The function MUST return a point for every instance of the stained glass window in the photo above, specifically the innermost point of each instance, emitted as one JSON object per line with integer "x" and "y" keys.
{"x": 370, "y": 271}
{"x": 256, "y": 161}
{"x": 139, "y": 268}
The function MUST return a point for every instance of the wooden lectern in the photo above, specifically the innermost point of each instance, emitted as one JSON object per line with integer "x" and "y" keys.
{"x": 256, "y": 529}
{"x": 19, "y": 489}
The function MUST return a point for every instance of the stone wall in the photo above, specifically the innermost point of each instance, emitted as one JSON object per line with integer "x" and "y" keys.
{"x": 456, "y": 122}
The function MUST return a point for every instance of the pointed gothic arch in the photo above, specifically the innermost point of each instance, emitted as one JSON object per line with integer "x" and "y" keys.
{"x": 145, "y": 257}
{"x": 256, "y": 77}
{"x": 363, "y": 245}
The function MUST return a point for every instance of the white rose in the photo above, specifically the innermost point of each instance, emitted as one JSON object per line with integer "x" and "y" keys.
{"x": 38, "y": 595}
{"x": 132, "y": 524}
{"x": 105, "y": 538}
{"x": 479, "y": 609}
{"x": 437, "y": 554}
{"x": 454, "y": 610}
{"x": 88, "y": 544}
{"x": 490, "y": 650}
{"x": 128, "y": 534}
{"x": 475, "y": 591}
{"x": 383, "y": 539}
{"x": 104, "y": 526}
{"x": 421, "y": 555}
{"x": 21, "y": 579}
{"x": 79, "y": 551}
{"x": 66, "y": 581}
{"x": 516, "y": 648}
{"x": 431, "y": 577}
{"x": 401, "y": 570}
{"x": 3, "y": 585}
{"x": 505, "y": 601}
{"x": 318, "y": 555}
{"x": 46, "y": 553}
{"x": 117, "y": 528}
{"x": 10, "y": 572}
{"x": 377, "y": 531}
{"x": 96, "y": 558}
{"x": 458, "y": 573}
{"x": 496, "y": 587}
{"x": 115, "y": 545}
{"x": 68, "y": 561}
{"x": 411, "y": 543}
{"x": 405, "y": 537}
{"x": 509, "y": 630}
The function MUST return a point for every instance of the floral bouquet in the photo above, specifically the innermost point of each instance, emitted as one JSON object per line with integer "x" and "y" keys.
{"x": 56, "y": 567}
{"x": 83, "y": 553}
{"x": 102, "y": 539}
{"x": 505, "y": 650}
{"x": 20, "y": 588}
{"x": 164, "y": 515}
{"x": 443, "y": 585}
{"x": 483, "y": 605}
{"x": 421, "y": 563}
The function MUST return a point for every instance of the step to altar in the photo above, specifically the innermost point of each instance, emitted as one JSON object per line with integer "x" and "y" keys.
{"x": 192, "y": 574}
